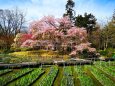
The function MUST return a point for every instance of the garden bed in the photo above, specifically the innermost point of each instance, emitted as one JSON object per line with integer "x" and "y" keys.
{"x": 50, "y": 75}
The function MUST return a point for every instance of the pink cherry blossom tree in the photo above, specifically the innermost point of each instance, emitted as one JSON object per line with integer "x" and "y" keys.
{"x": 55, "y": 34}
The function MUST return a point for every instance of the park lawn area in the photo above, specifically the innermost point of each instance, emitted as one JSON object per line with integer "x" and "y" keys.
{"x": 32, "y": 56}
{"x": 36, "y": 53}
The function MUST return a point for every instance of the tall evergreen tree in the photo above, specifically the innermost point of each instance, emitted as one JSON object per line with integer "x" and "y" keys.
{"x": 87, "y": 21}
{"x": 69, "y": 10}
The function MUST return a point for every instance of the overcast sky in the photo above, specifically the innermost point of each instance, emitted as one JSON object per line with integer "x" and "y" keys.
{"x": 35, "y": 9}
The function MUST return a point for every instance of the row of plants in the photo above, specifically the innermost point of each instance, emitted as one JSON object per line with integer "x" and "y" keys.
{"x": 13, "y": 76}
{"x": 48, "y": 80}
{"x": 105, "y": 81}
{"x": 85, "y": 80}
{"x": 108, "y": 69}
{"x": 106, "y": 73}
{"x": 67, "y": 79}
{"x": 28, "y": 79}
{"x": 2, "y": 72}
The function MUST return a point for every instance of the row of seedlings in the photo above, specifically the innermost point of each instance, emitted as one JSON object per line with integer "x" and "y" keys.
{"x": 67, "y": 79}
{"x": 15, "y": 75}
{"x": 2, "y": 72}
{"x": 100, "y": 76}
{"x": 85, "y": 80}
{"x": 108, "y": 74}
{"x": 109, "y": 70}
{"x": 105, "y": 65}
{"x": 48, "y": 80}
{"x": 28, "y": 79}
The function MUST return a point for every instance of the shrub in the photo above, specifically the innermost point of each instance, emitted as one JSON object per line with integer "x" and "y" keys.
{"x": 103, "y": 52}
{"x": 108, "y": 52}
{"x": 84, "y": 54}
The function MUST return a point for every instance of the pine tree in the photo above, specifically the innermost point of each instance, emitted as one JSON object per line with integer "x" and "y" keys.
{"x": 87, "y": 21}
{"x": 69, "y": 10}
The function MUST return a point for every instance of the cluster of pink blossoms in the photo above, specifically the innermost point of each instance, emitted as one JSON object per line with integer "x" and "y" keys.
{"x": 81, "y": 47}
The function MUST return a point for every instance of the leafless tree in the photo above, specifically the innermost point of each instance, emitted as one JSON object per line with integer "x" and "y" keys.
{"x": 11, "y": 23}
